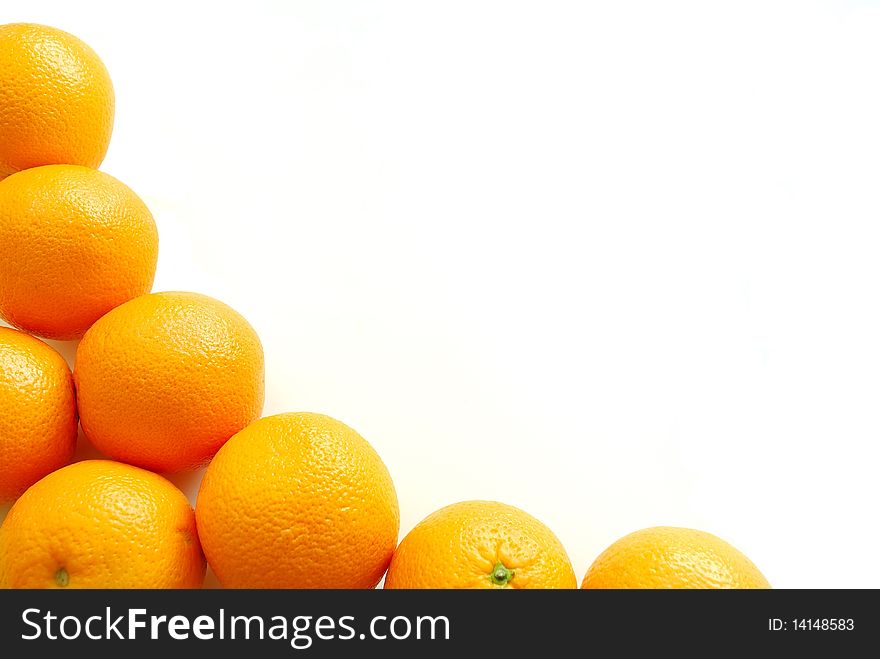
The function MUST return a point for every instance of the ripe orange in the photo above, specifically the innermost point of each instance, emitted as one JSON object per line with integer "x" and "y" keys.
{"x": 298, "y": 501}
{"x": 480, "y": 544}
{"x": 57, "y": 101}
{"x": 165, "y": 379}
{"x": 74, "y": 243}
{"x": 101, "y": 524}
{"x": 37, "y": 412}
{"x": 671, "y": 557}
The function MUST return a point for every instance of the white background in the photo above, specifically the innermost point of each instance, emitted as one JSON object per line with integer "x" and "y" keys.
{"x": 612, "y": 262}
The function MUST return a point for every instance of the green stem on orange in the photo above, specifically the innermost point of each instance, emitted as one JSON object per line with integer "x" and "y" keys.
{"x": 501, "y": 575}
{"x": 62, "y": 578}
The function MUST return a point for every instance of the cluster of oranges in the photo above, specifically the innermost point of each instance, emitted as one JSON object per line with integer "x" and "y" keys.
{"x": 165, "y": 382}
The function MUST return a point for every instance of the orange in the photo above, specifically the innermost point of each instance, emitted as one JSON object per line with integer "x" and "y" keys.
{"x": 298, "y": 501}
{"x": 37, "y": 412}
{"x": 480, "y": 544}
{"x": 671, "y": 557}
{"x": 74, "y": 243}
{"x": 101, "y": 524}
{"x": 57, "y": 103}
{"x": 165, "y": 379}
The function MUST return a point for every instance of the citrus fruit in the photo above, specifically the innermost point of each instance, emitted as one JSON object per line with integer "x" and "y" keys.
{"x": 165, "y": 379}
{"x": 101, "y": 524}
{"x": 74, "y": 243}
{"x": 37, "y": 412}
{"x": 671, "y": 557}
{"x": 480, "y": 544}
{"x": 56, "y": 105}
{"x": 298, "y": 501}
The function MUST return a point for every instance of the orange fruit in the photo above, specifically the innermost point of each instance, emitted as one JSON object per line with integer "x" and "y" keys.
{"x": 671, "y": 557}
{"x": 480, "y": 544}
{"x": 74, "y": 243}
{"x": 165, "y": 379}
{"x": 298, "y": 501}
{"x": 37, "y": 412}
{"x": 101, "y": 524}
{"x": 57, "y": 101}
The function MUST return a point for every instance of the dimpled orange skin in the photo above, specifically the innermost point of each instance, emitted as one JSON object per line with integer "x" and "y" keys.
{"x": 165, "y": 379}
{"x": 101, "y": 524}
{"x": 672, "y": 557}
{"x": 74, "y": 244}
{"x": 37, "y": 412}
{"x": 298, "y": 501}
{"x": 56, "y": 100}
{"x": 462, "y": 546}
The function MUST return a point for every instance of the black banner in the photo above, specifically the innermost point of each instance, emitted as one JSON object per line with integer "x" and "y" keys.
{"x": 434, "y": 623}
